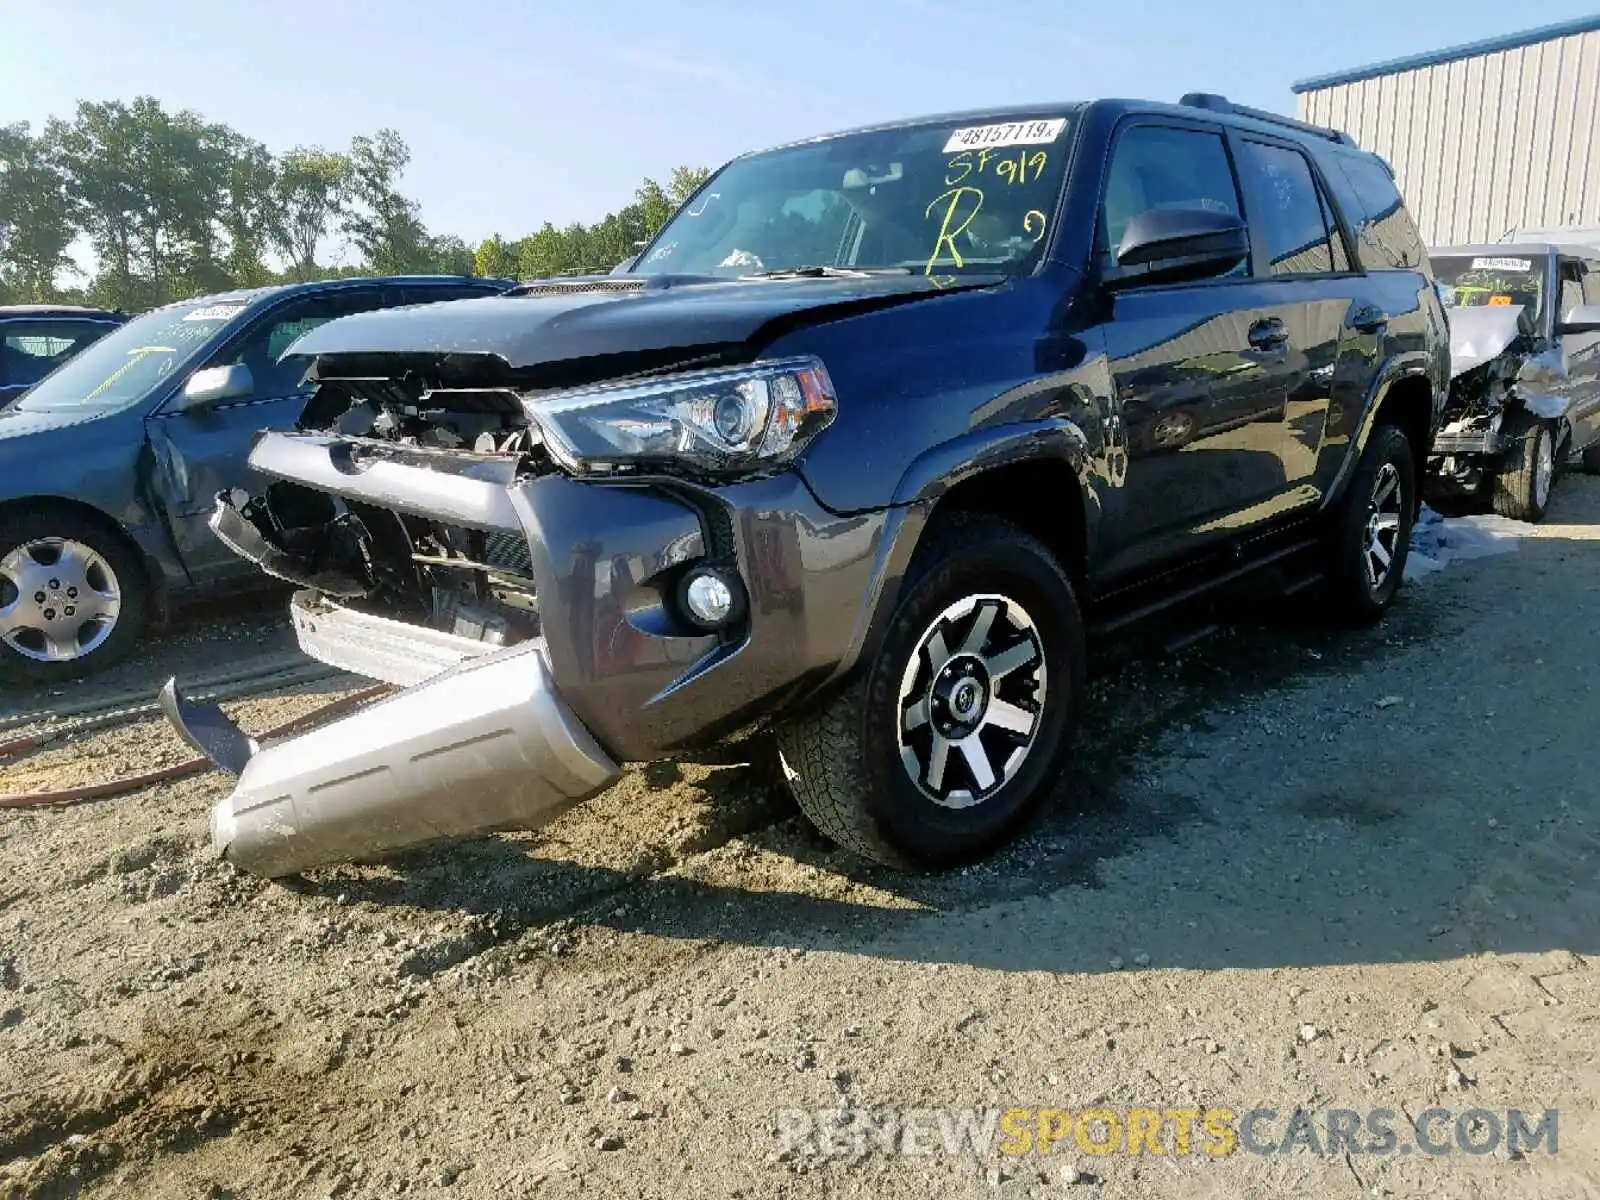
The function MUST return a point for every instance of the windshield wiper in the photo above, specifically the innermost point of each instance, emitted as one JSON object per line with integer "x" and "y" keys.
{"x": 822, "y": 272}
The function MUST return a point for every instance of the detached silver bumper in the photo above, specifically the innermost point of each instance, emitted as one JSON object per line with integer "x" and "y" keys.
{"x": 486, "y": 746}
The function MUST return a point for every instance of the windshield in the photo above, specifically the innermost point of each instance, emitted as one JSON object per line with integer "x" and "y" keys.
{"x": 1503, "y": 281}
{"x": 123, "y": 367}
{"x": 930, "y": 198}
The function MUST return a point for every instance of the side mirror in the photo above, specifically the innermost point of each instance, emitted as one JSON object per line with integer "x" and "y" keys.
{"x": 213, "y": 385}
{"x": 1173, "y": 245}
{"x": 1583, "y": 319}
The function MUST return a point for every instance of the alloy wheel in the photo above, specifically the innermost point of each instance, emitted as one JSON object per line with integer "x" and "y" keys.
{"x": 59, "y": 600}
{"x": 971, "y": 700}
{"x": 1383, "y": 526}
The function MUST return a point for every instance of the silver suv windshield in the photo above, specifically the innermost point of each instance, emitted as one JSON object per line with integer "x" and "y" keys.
{"x": 124, "y": 367}
{"x": 947, "y": 198}
{"x": 1493, "y": 280}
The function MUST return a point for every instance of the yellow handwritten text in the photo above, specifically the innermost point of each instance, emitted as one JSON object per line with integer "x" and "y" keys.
{"x": 949, "y": 227}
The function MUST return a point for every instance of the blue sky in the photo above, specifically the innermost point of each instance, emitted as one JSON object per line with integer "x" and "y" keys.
{"x": 519, "y": 111}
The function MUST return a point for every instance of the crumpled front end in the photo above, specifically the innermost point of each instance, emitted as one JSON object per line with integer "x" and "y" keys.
{"x": 540, "y": 622}
{"x": 1498, "y": 367}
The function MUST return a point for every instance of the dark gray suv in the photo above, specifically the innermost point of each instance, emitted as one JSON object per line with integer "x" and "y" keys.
{"x": 878, "y": 430}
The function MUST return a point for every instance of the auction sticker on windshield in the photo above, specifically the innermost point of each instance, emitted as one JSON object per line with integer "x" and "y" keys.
{"x": 1011, "y": 133}
{"x": 1502, "y": 264}
{"x": 215, "y": 312}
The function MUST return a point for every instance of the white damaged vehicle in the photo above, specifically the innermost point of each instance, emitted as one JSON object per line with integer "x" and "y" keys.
{"x": 1525, "y": 372}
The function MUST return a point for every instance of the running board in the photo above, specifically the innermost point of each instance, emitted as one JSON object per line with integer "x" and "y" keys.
{"x": 1131, "y": 616}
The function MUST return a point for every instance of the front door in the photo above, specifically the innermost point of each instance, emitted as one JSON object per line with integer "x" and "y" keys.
{"x": 1201, "y": 370}
{"x": 1580, "y": 284}
{"x": 199, "y": 453}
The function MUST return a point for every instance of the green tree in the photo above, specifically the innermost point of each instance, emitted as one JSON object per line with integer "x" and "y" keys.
{"x": 384, "y": 226}
{"x": 307, "y": 199}
{"x": 685, "y": 182}
{"x": 449, "y": 255}
{"x": 496, "y": 257}
{"x": 37, "y": 223}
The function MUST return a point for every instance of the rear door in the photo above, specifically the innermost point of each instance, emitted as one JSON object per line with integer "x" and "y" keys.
{"x": 1310, "y": 290}
{"x": 200, "y": 453}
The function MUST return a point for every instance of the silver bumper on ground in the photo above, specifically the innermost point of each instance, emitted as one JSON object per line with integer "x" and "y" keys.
{"x": 486, "y": 746}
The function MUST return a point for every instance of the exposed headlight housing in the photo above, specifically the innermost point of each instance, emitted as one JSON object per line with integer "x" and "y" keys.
{"x": 724, "y": 421}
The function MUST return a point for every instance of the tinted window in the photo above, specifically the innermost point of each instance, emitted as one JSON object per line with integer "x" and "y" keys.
{"x": 1286, "y": 210}
{"x": 1384, "y": 228}
{"x": 1571, "y": 287}
{"x": 1591, "y": 282}
{"x": 30, "y": 350}
{"x": 265, "y": 345}
{"x": 1157, "y": 167}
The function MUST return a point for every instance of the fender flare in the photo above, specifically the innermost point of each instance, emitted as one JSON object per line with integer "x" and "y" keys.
{"x": 1392, "y": 372}
{"x": 927, "y": 480}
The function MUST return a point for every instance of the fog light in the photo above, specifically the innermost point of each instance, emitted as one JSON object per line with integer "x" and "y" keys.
{"x": 711, "y": 597}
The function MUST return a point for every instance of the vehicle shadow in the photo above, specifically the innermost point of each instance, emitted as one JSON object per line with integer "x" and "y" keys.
{"x": 1356, "y": 827}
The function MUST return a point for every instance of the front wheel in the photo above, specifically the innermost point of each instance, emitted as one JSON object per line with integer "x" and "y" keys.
{"x": 1522, "y": 490}
{"x": 953, "y": 737}
{"x": 72, "y": 596}
{"x": 1371, "y": 535}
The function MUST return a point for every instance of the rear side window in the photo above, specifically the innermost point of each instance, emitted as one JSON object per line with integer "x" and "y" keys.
{"x": 1571, "y": 287}
{"x": 1154, "y": 166}
{"x": 1591, "y": 281}
{"x": 1288, "y": 217}
{"x": 1384, "y": 228}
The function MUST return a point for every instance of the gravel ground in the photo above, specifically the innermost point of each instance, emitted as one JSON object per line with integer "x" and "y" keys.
{"x": 1290, "y": 868}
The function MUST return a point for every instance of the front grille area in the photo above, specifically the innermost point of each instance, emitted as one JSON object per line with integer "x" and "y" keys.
{"x": 508, "y": 552}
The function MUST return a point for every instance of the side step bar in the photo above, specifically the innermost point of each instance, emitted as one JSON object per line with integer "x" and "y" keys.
{"x": 486, "y": 746}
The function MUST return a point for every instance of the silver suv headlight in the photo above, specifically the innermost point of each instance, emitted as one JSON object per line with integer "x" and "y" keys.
{"x": 724, "y": 421}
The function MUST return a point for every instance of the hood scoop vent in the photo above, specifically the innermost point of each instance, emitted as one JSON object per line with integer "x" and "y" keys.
{"x": 617, "y": 285}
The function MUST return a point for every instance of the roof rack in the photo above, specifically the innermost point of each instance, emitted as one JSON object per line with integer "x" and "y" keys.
{"x": 1221, "y": 104}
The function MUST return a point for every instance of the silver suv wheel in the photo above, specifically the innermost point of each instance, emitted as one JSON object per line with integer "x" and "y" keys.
{"x": 971, "y": 699}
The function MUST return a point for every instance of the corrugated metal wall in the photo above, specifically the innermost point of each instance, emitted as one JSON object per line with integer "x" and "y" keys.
{"x": 1485, "y": 144}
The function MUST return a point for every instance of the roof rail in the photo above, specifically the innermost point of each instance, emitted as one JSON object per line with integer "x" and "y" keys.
{"x": 1221, "y": 104}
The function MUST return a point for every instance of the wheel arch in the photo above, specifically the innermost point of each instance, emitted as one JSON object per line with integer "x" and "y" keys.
{"x": 1406, "y": 399}
{"x": 992, "y": 471}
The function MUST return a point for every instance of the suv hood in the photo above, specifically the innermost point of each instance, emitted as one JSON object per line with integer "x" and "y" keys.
{"x": 604, "y": 315}
{"x": 1480, "y": 334}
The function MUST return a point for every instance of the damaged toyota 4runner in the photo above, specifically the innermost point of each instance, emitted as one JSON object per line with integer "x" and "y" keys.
{"x": 1525, "y": 372}
{"x": 868, "y": 440}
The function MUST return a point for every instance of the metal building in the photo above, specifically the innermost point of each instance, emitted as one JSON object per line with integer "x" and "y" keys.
{"x": 1485, "y": 139}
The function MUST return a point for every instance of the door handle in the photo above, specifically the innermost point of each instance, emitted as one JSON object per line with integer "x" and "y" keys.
{"x": 1269, "y": 333}
{"x": 1367, "y": 318}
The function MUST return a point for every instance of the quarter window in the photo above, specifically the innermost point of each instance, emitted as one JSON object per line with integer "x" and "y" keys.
{"x": 1155, "y": 166}
{"x": 1288, "y": 215}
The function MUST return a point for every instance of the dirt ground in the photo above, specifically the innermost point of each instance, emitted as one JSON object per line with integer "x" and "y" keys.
{"x": 1290, "y": 868}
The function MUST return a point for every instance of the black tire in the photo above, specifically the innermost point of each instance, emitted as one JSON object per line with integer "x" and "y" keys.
{"x": 1360, "y": 595}
{"x": 844, "y": 762}
{"x": 1521, "y": 489}
{"x": 126, "y": 571}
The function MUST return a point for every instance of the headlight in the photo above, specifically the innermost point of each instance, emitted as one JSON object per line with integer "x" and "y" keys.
{"x": 727, "y": 420}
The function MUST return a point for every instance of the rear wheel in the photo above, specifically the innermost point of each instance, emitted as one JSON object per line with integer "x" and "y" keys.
{"x": 1521, "y": 491}
{"x": 1371, "y": 536}
{"x": 72, "y": 596}
{"x": 952, "y": 739}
